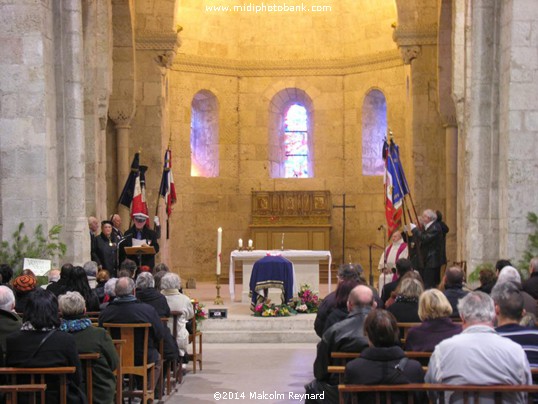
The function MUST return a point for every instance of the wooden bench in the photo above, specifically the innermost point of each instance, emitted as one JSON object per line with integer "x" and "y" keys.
{"x": 11, "y": 391}
{"x": 40, "y": 374}
{"x": 471, "y": 393}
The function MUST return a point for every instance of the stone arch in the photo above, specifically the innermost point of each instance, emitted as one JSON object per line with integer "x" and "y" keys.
{"x": 204, "y": 134}
{"x": 374, "y": 129}
{"x": 279, "y": 104}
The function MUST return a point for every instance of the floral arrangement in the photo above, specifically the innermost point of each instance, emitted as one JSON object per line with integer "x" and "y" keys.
{"x": 200, "y": 312}
{"x": 308, "y": 301}
{"x": 272, "y": 310}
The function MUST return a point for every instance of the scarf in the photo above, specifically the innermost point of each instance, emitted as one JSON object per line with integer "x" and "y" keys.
{"x": 128, "y": 298}
{"x": 406, "y": 299}
{"x": 75, "y": 325}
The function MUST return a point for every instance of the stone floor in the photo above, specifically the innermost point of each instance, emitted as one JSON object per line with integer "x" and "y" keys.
{"x": 241, "y": 369}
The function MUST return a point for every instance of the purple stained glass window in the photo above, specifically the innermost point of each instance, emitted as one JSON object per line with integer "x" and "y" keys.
{"x": 296, "y": 142}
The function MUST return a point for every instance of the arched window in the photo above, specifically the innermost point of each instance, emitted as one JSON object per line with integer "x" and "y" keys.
{"x": 290, "y": 134}
{"x": 374, "y": 129}
{"x": 296, "y": 142}
{"x": 204, "y": 135}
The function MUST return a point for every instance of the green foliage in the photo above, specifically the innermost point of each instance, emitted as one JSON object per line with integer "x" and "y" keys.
{"x": 474, "y": 277}
{"x": 532, "y": 242}
{"x": 39, "y": 246}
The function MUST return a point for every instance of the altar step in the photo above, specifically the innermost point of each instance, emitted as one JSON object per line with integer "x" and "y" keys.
{"x": 249, "y": 329}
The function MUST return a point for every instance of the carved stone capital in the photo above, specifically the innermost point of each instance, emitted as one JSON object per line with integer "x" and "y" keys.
{"x": 409, "y": 53}
{"x": 415, "y": 35}
{"x": 121, "y": 117}
{"x": 166, "y": 59}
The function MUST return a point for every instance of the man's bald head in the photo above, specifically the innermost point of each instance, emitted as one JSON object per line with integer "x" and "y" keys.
{"x": 124, "y": 287}
{"x": 360, "y": 296}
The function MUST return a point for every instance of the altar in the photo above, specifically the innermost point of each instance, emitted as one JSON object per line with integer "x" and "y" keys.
{"x": 305, "y": 266}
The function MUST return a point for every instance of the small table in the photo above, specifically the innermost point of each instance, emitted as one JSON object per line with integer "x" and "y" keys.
{"x": 272, "y": 272}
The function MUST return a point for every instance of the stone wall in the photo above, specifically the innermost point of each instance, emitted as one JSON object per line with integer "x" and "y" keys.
{"x": 244, "y": 137}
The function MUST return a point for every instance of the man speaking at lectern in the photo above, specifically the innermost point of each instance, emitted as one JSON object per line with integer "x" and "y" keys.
{"x": 140, "y": 231}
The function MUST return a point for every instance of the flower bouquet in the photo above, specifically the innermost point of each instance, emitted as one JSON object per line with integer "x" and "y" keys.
{"x": 308, "y": 301}
{"x": 200, "y": 312}
{"x": 272, "y": 310}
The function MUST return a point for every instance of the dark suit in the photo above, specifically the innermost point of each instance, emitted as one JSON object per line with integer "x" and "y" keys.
{"x": 151, "y": 238}
{"x": 430, "y": 241}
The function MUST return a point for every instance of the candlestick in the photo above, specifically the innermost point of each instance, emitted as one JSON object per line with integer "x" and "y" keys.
{"x": 240, "y": 243}
{"x": 250, "y": 243}
{"x": 219, "y": 248}
{"x": 218, "y": 299}
{"x": 282, "y": 243}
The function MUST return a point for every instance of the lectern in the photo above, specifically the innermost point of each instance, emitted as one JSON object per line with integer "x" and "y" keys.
{"x": 139, "y": 251}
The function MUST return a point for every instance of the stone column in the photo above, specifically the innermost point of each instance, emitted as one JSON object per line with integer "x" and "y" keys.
{"x": 418, "y": 46}
{"x": 156, "y": 51}
{"x": 451, "y": 190}
{"x": 71, "y": 132}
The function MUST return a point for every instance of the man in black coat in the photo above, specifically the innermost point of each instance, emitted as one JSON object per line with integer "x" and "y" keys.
{"x": 146, "y": 292}
{"x": 345, "y": 336}
{"x": 454, "y": 288}
{"x": 140, "y": 231}
{"x": 126, "y": 308}
{"x": 430, "y": 238}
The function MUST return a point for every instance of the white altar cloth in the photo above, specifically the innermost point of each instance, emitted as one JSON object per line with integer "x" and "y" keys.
{"x": 294, "y": 256}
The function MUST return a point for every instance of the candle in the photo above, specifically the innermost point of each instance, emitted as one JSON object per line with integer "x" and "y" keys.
{"x": 240, "y": 243}
{"x": 250, "y": 243}
{"x": 219, "y": 248}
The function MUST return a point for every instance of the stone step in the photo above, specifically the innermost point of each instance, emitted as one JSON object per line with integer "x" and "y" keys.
{"x": 250, "y": 329}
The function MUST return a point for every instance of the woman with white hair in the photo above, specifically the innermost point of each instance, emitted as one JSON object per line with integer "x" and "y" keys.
{"x": 90, "y": 339}
{"x": 178, "y": 302}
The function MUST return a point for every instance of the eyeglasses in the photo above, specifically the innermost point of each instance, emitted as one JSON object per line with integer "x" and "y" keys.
{"x": 140, "y": 220}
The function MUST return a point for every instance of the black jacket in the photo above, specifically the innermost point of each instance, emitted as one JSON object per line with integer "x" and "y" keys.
{"x": 405, "y": 310}
{"x": 378, "y": 366}
{"x": 59, "y": 349}
{"x": 105, "y": 254}
{"x": 147, "y": 234}
{"x": 154, "y": 298}
{"x": 345, "y": 336}
{"x": 454, "y": 293}
{"x": 531, "y": 285}
{"x": 326, "y": 306}
{"x": 121, "y": 311}
{"x": 430, "y": 241}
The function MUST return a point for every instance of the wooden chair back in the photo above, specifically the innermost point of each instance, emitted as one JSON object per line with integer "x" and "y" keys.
{"x": 86, "y": 360}
{"x": 128, "y": 359}
{"x": 118, "y": 344}
{"x": 196, "y": 340}
{"x": 37, "y": 376}
{"x": 470, "y": 393}
{"x": 11, "y": 391}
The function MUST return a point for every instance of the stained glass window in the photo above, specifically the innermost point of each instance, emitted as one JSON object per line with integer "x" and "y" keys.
{"x": 296, "y": 142}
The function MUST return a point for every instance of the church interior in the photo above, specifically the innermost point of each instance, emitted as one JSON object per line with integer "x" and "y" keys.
{"x": 87, "y": 84}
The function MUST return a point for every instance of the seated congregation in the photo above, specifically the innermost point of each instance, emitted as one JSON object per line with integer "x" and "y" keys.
{"x": 95, "y": 338}
{"x": 429, "y": 340}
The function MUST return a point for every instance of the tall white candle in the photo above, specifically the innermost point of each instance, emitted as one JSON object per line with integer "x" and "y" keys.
{"x": 240, "y": 242}
{"x": 250, "y": 243}
{"x": 219, "y": 248}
